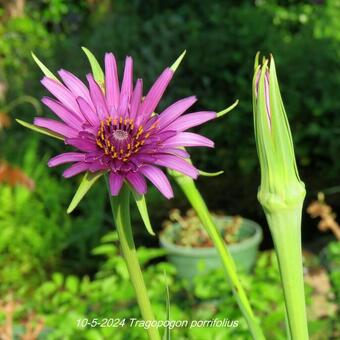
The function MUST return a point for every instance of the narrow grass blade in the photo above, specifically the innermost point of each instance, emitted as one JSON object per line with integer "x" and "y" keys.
{"x": 167, "y": 335}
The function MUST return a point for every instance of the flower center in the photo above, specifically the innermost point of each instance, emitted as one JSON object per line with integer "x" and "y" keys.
{"x": 120, "y": 135}
{"x": 119, "y": 138}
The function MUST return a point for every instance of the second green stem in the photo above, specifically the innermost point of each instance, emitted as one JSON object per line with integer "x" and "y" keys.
{"x": 189, "y": 188}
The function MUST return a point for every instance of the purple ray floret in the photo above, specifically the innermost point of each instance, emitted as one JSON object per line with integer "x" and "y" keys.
{"x": 114, "y": 128}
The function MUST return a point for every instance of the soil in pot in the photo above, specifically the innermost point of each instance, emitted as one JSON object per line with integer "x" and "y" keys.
{"x": 190, "y": 249}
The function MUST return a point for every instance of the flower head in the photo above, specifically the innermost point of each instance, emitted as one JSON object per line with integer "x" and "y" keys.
{"x": 280, "y": 182}
{"x": 115, "y": 129}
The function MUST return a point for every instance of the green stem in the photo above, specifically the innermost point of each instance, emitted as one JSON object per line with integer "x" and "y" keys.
{"x": 285, "y": 227}
{"x": 189, "y": 188}
{"x": 120, "y": 206}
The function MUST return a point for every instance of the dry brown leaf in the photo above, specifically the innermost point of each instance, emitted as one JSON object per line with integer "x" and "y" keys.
{"x": 14, "y": 176}
{"x": 324, "y": 211}
{"x": 5, "y": 121}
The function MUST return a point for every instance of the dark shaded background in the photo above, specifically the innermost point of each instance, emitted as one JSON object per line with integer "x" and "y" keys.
{"x": 221, "y": 39}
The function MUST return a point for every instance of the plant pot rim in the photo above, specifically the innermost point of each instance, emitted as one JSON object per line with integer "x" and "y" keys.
{"x": 211, "y": 251}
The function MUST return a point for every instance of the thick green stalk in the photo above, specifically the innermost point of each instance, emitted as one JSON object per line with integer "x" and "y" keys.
{"x": 120, "y": 206}
{"x": 285, "y": 227}
{"x": 193, "y": 195}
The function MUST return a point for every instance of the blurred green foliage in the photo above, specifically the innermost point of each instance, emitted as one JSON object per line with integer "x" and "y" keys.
{"x": 64, "y": 299}
{"x": 221, "y": 39}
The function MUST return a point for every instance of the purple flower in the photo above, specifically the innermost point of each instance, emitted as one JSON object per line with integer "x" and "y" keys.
{"x": 114, "y": 128}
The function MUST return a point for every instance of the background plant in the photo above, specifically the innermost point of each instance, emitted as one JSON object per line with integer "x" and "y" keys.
{"x": 303, "y": 35}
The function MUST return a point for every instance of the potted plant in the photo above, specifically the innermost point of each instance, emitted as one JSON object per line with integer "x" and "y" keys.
{"x": 190, "y": 249}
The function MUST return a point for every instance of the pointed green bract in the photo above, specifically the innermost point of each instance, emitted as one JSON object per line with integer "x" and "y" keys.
{"x": 97, "y": 71}
{"x": 143, "y": 210}
{"x": 175, "y": 65}
{"x": 85, "y": 185}
{"x": 43, "y": 68}
{"x": 228, "y": 109}
{"x": 40, "y": 129}
{"x": 210, "y": 174}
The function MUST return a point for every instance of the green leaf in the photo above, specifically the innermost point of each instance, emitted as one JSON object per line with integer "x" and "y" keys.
{"x": 143, "y": 210}
{"x": 44, "y": 69}
{"x": 228, "y": 109}
{"x": 88, "y": 180}
{"x": 104, "y": 249}
{"x": 210, "y": 174}
{"x": 97, "y": 71}
{"x": 175, "y": 65}
{"x": 72, "y": 284}
{"x": 40, "y": 129}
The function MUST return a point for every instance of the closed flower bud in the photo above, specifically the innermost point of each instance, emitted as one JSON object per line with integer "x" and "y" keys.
{"x": 280, "y": 183}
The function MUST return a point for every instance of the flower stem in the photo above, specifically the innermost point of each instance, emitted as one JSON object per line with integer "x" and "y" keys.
{"x": 193, "y": 195}
{"x": 120, "y": 206}
{"x": 285, "y": 227}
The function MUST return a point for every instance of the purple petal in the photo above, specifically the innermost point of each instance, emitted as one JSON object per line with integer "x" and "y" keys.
{"x": 116, "y": 182}
{"x": 174, "y": 111}
{"x": 191, "y": 119}
{"x": 76, "y": 86}
{"x": 55, "y": 126}
{"x": 159, "y": 137}
{"x": 136, "y": 98}
{"x": 138, "y": 182}
{"x": 75, "y": 169}
{"x": 65, "y": 96}
{"x": 178, "y": 164}
{"x": 157, "y": 177}
{"x": 97, "y": 98}
{"x": 123, "y": 106}
{"x": 87, "y": 112}
{"x": 111, "y": 82}
{"x": 97, "y": 166}
{"x": 93, "y": 156}
{"x": 155, "y": 93}
{"x": 82, "y": 144}
{"x": 127, "y": 78}
{"x": 63, "y": 113}
{"x": 66, "y": 157}
{"x": 178, "y": 152}
{"x": 188, "y": 139}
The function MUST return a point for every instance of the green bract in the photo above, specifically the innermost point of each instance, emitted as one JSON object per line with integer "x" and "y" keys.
{"x": 280, "y": 182}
